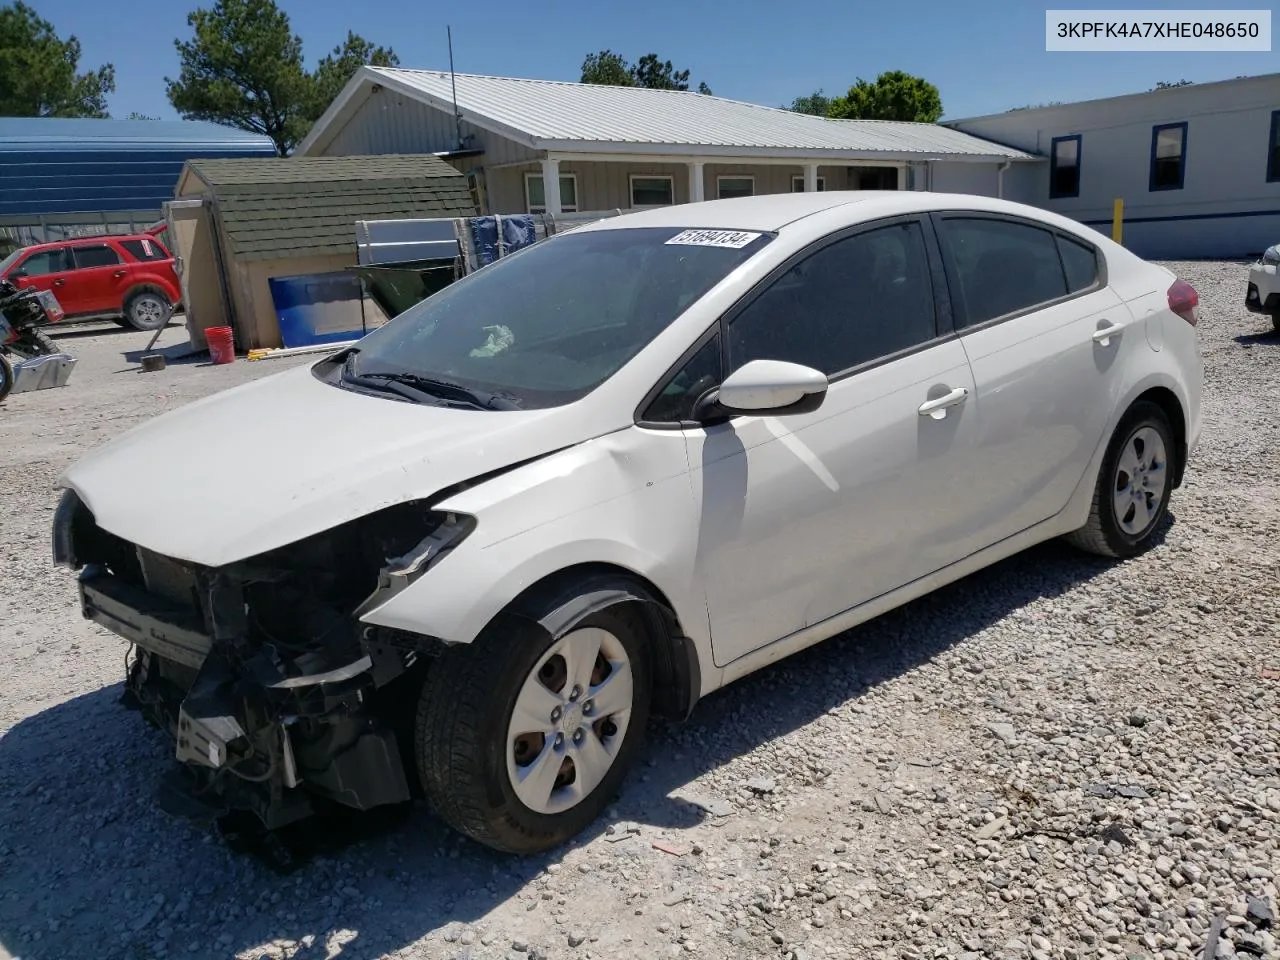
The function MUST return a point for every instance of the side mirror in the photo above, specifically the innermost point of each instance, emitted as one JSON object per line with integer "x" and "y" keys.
{"x": 18, "y": 274}
{"x": 769, "y": 388}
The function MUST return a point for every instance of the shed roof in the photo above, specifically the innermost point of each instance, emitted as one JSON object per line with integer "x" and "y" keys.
{"x": 556, "y": 115}
{"x": 294, "y": 207}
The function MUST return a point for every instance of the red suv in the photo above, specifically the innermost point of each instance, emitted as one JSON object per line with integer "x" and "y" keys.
{"x": 129, "y": 279}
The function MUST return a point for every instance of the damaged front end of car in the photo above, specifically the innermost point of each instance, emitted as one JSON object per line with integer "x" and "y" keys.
{"x": 261, "y": 671}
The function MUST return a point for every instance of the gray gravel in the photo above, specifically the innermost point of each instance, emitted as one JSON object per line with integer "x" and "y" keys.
{"x": 1057, "y": 757}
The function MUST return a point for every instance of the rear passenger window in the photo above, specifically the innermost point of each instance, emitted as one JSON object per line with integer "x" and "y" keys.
{"x": 1081, "y": 263}
{"x": 102, "y": 256}
{"x": 144, "y": 249}
{"x": 1000, "y": 267}
{"x": 851, "y": 302}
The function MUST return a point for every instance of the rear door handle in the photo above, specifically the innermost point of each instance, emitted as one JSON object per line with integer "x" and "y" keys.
{"x": 1103, "y": 335}
{"x": 937, "y": 409}
{"x": 118, "y": 273}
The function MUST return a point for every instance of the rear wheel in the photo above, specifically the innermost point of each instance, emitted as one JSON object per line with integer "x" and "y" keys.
{"x": 6, "y": 377}
{"x": 45, "y": 344}
{"x": 147, "y": 310}
{"x": 1134, "y": 485}
{"x": 522, "y": 740}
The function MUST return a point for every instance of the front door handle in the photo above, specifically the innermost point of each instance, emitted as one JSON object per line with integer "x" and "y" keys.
{"x": 937, "y": 409}
{"x": 1103, "y": 335}
{"x": 58, "y": 283}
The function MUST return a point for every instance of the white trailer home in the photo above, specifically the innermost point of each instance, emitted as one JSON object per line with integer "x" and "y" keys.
{"x": 1198, "y": 166}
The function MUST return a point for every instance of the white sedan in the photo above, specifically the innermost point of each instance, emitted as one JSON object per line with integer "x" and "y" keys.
{"x": 604, "y": 476}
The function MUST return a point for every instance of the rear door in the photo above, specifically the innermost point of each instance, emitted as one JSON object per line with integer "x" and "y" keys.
{"x": 1045, "y": 336}
{"x": 99, "y": 278}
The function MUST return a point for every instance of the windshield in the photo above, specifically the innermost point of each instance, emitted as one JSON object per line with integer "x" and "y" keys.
{"x": 550, "y": 323}
{"x": 10, "y": 260}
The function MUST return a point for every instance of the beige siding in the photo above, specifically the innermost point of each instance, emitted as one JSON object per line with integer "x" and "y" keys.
{"x": 192, "y": 239}
{"x": 408, "y": 126}
{"x": 607, "y": 186}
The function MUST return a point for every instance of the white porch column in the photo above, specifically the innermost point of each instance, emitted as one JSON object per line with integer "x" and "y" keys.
{"x": 810, "y": 178}
{"x": 551, "y": 185}
{"x": 697, "y": 182}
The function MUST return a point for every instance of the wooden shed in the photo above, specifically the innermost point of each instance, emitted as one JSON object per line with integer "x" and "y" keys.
{"x": 237, "y": 223}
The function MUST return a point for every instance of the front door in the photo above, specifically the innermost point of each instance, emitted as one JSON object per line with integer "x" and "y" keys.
{"x": 45, "y": 270}
{"x": 805, "y": 516}
{"x": 1032, "y": 308}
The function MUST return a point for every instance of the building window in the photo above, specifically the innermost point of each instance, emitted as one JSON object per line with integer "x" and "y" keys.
{"x": 797, "y": 184}
{"x": 652, "y": 191}
{"x": 1273, "y": 149}
{"x": 729, "y": 187}
{"x": 536, "y": 195}
{"x": 1064, "y": 167}
{"x": 1168, "y": 156}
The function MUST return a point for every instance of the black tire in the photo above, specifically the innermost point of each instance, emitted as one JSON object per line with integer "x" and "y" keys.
{"x": 147, "y": 309}
{"x": 1103, "y": 534}
{"x": 1275, "y": 321}
{"x": 460, "y": 739}
{"x": 45, "y": 344}
{"x": 6, "y": 377}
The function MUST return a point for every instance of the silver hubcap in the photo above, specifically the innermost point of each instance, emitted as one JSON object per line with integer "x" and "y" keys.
{"x": 569, "y": 720}
{"x": 1141, "y": 475}
{"x": 148, "y": 310}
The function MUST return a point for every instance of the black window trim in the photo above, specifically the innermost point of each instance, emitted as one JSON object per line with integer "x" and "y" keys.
{"x": 953, "y": 286}
{"x": 1273, "y": 168}
{"x": 944, "y": 329}
{"x": 71, "y": 249}
{"x": 1053, "y": 166}
{"x": 1182, "y": 157}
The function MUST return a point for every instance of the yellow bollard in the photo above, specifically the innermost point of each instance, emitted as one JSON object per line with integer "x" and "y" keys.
{"x": 1117, "y": 221}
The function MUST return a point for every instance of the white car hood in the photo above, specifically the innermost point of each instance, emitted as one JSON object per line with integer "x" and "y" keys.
{"x": 266, "y": 464}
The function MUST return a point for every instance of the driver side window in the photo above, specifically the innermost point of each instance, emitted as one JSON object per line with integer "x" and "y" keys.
{"x": 699, "y": 374}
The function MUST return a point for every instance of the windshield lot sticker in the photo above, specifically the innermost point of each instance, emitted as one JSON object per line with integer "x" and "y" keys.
{"x": 732, "y": 239}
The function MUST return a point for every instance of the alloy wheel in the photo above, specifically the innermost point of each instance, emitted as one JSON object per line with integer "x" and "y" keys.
{"x": 569, "y": 720}
{"x": 1142, "y": 473}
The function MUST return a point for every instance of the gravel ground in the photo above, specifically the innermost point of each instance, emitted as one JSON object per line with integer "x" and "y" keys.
{"x": 1057, "y": 757}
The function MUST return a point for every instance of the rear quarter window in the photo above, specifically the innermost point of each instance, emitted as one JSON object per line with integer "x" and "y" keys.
{"x": 144, "y": 249}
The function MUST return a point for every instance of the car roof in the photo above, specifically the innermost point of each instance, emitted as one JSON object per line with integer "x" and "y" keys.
{"x": 774, "y": 212}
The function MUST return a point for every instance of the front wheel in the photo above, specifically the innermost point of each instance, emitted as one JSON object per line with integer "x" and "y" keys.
{"x": 522, "y": 740}
{"x": 1134, "y": 485}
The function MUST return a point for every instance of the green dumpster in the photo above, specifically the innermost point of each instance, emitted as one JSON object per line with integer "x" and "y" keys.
{"x": 395, "y": 287}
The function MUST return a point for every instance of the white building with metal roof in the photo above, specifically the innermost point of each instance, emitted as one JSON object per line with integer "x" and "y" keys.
{"x": 1197, "y": 166}
{"x": 534, "y": 145}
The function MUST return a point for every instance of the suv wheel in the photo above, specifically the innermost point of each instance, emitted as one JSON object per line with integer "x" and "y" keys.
{"x": 147, "y": 310}
{"x": 522, "y": 740}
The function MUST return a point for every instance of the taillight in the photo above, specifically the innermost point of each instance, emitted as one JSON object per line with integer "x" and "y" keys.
{"x": 1183, "y": 300}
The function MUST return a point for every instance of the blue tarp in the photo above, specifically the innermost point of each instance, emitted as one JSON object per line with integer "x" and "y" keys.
{"x": 497, "y": 236}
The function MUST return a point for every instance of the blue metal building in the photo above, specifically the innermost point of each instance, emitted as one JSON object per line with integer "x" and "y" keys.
{"x": 61, "y": 178}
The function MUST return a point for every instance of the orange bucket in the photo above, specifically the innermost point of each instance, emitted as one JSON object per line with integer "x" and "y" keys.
{"x": 222, "y": 345}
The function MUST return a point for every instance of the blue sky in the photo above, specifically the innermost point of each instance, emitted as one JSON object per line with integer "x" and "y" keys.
{"x": 984, "y": 57}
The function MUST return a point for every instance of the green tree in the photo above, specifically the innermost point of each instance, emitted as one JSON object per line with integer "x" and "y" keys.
{"x": 1168, "y": 85}
{"x": 243, "y": 66}
{"x": 336, "y": 68}
{"x": 894, "y": 95}
{"x": 135, "y": 115}
{"x": 39, "y": 70}
{"x": 607, "y": 69}
{"x": 612, "y": 69}
{"x": 816, "y": 104}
